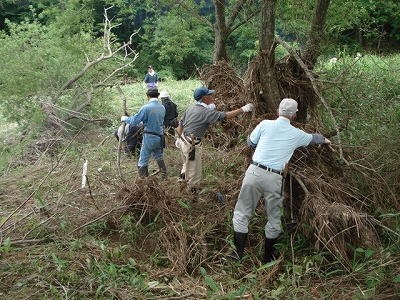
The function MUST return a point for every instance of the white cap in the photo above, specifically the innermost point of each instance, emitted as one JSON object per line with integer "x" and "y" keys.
{"x": 287, "y": 107}
{"x": 164, "y": 94}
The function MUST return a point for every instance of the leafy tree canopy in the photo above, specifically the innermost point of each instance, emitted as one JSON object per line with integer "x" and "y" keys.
{"x": 39, "y": 59}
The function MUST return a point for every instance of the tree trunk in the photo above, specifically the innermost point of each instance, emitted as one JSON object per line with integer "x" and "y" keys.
{"x": 269, "y": 95}
{"x": 221, "y": 33}
{"x": 240, "y": 11}
{"x": 316, "y": 36}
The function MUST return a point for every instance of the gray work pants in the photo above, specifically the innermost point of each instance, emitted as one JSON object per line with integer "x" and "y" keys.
{"x": 256, "y": 183}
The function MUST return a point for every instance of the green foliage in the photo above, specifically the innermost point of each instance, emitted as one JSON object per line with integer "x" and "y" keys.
{"x": 165, "y": 45}
{"x": 243, "y": 44}
{"x": 287, "y": 16}
{"x": 369, "y": 95}
{"x": 39, "y": 59}
{"x": 209, "y": 280}
{"x": 384, "y": 17}
{"x": 6, "y": 246}
{"x": 172, "y": 39}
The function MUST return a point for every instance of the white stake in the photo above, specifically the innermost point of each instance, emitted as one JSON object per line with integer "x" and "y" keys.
{"x": 84, "y": 171}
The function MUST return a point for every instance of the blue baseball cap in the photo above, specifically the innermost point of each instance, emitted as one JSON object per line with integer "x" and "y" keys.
{"x": 201, "y": 92}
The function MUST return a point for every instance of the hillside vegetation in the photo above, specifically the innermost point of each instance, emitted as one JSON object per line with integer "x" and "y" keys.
{"x": 107, "y": 236}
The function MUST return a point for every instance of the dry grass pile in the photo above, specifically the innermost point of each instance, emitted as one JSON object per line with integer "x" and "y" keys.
{"x": 184, "y": 233}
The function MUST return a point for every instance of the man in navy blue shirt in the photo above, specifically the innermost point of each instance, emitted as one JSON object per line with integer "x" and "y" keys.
{"x": 171, "y": 113}
{"x": 151, "y": 78}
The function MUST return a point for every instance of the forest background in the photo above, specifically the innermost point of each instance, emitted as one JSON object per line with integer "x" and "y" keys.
{"x": 66, "y": 68}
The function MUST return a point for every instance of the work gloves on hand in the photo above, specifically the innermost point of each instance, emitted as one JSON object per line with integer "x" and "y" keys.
{"x": 123, "y": 118}
{"x": 248, "y": 107}
{"x": 327, "y": 142}
{"x": 177, "y": 142}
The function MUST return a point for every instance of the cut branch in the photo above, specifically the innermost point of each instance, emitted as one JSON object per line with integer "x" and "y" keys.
{"x": 125, "y": 50}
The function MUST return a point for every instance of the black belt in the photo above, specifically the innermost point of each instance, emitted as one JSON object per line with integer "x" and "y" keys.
{"x": 153, "y": 133}
{"x": 267, "y": 168}
{"x": 189, "y": 139}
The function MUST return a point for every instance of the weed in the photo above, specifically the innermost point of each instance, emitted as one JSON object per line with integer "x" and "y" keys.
{"x": 6, "y": 247}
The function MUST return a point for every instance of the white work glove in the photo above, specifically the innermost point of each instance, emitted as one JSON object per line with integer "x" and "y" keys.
{"x": 177, "y": 142}
{"x": 123, "y": 118}
{"x": 248, "y": 107}
{"x": 327, "y": 142}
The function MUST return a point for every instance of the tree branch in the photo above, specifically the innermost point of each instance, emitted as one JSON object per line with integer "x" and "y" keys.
{"x": 194, "y": 13}
{"x": 129, "y": 56}
{"x": 121, "y": 94}
{"x": 310, "y": 76}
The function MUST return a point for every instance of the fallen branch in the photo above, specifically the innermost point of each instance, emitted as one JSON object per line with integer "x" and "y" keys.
{"x": 21, "y": 243}
{"x": 121, "y": 94}
{"x": 95, "y": 220}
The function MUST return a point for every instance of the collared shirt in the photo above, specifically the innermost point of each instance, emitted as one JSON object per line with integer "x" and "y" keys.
{"x": 276, "y": 141}
{"x": 196, "y": 119}
{"x": 210, "y": 106}
{"x": 152, "y": 115}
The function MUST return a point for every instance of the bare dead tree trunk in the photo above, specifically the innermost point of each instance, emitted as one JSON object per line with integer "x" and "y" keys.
{"x": 262, "y": 81}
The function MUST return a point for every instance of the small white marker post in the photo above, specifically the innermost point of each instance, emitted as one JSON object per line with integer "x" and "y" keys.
{"x": 84, "y": 171}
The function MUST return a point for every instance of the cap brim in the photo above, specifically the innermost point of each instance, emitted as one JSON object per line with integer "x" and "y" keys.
{"x": 210, "y": 92}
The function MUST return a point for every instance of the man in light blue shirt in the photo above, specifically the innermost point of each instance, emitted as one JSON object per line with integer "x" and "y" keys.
{"x": 274, "y": 142}
{"x": 152, "y": 116}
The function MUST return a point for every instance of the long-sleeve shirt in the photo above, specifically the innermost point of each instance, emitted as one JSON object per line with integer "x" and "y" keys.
{"x": 152, "y": 115}
{"x": 196, "y": 119}
{"x": 151, "y": 78}
{"x": 276, "y": 141}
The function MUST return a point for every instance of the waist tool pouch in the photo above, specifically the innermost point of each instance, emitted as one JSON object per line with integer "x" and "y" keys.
{"x": 192, "y": 153}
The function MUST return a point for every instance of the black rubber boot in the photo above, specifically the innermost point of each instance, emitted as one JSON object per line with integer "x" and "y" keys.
{"x": 163, "y": 168}
{"x": 239, "y": 240}
{"x": 269, "y": 249}
{"x": 143, "y": 171}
